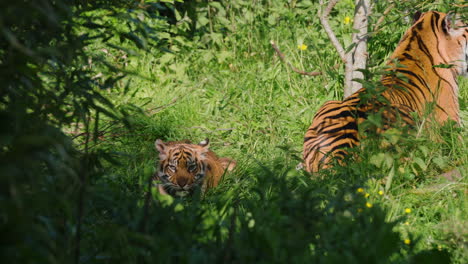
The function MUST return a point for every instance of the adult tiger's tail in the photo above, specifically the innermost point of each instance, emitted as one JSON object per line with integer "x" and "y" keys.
{"x": 433, "y": 42}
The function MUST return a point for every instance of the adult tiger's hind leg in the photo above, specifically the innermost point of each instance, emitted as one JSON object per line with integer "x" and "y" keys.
{"x": 320, "y": 150}
{"x": 333, "y": 129}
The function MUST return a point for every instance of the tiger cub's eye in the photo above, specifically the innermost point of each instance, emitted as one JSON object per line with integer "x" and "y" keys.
{"x": 172, "y": 168}
{"x": 192, "y": 167}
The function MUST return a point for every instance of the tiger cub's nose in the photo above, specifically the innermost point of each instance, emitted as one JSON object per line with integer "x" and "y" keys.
{"x": 182, "y": 181}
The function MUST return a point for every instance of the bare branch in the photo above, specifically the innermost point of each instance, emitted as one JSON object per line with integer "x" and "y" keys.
{"x": 174, "y": 100}
{"x": 157, "y": 109}
{"x": 210, "y": 131}
{"x": 326, "y": 26}
{"x": 282, "y": 57}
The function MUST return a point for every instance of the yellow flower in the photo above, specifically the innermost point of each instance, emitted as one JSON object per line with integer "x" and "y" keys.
{"x": 302, "y": 46}
{"x": 406, "y": 223}
{"x": 346, "y": 20}
{"x": 407, "y": 241}
{"x": 360, "y": 190}
{"x": 366, "y": 195}
{"x": 380, "y": 192}
{"x": 408, "y": 210}
{"x": 369, "y": 205}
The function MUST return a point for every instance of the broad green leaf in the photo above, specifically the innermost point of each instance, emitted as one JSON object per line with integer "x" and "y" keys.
{"x": 202, "y": 21}
{"x": 424, "y": 150}
{"x": 168, "y": 57}
{"x": 177, "y": 14}
{"x": 389, "y": 181}
{"x": 207, "y": 56}
{"x": 377, "y": 159}
{"x": 441, "y": 162}
{"x": 272, "y": 19}
{"x": 223, "y": 56}
{"x": 421, "y": 164}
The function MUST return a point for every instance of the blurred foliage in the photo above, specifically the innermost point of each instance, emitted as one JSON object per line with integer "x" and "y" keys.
{"x": 59, "y": 62}
{"x": 48, "y": 86}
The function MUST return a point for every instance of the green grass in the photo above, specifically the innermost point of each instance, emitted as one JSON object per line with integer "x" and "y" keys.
{"x": 256, "y": 110}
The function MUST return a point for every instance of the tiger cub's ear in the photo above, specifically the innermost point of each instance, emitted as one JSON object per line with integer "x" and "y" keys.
{"x": 205, "y": 144}
{"x": 161, "y": 148}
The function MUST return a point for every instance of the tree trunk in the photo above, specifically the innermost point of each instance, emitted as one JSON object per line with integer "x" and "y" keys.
{"x": 356, "y": 58}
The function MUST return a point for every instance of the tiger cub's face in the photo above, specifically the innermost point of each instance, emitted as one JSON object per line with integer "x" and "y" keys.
{"x": 182, "y": 166}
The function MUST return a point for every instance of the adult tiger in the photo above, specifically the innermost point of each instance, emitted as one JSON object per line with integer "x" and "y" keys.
{"x": 417, "y": 78}
{"x": 184, "y": 166}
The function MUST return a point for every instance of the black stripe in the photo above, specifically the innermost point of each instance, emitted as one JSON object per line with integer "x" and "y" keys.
{"x": 343, "y": 114}
{"x": 342, "y": 146}
{"x": 350, "y": 125}
{"x": 407, "y": 56}
{"x": 327, "y": 105}
{"x": 188, "y": 153}
{"x": 419, "y": 78}
{"x": 435, "y": 22}
{"x": 407, "y": 92}
{"x": 426, "y": 51}
{"x": 419, "y": 25}
{"x": 333, "y": 140}
{"x": 341, "y": 152}
{"x": 328, "y": 111}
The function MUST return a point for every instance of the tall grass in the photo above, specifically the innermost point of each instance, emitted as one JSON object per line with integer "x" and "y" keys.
{"x": 256, "y": 110}
{"x": 218, "y": 77}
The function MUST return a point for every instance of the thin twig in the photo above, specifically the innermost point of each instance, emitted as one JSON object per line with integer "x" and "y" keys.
{"x": 206, "y": 130}
{"x": 174, "y": 100}
{"x": 283, "y": 59}
{"x": 326, "y": 26}
{"x": 162, "y": 107}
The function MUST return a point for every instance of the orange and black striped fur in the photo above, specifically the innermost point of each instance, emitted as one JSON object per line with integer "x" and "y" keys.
{"x": 435, "y": 39}
{"x": 183, "y": 167}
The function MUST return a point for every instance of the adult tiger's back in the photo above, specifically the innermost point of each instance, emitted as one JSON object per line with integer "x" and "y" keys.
{"x": 434, "y": 41}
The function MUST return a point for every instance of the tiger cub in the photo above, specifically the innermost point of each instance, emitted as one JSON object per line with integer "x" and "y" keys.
{"x": 184, "y": 166}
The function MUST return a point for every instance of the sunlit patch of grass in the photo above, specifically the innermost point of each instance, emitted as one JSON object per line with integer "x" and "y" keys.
{"x": 256, "y": 110}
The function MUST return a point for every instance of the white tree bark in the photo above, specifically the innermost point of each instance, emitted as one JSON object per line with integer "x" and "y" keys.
{"x": 356, "y": 58}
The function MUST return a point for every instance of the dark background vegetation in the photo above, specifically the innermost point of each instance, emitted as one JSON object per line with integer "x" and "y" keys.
{"x": 87, "y": 86}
